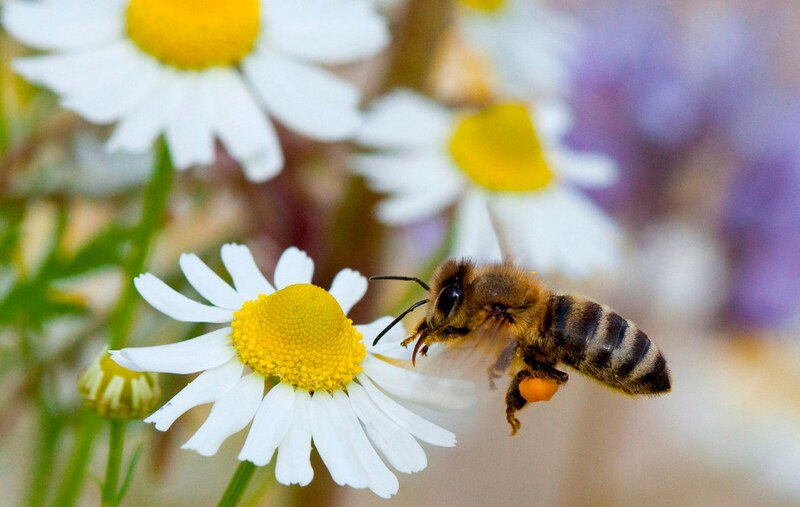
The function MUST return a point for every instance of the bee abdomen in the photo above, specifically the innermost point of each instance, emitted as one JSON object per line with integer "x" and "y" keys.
{"x": 598, "y": 342}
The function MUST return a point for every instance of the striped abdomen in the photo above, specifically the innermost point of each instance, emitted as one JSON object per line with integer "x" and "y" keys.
{"x": 596, "y": 341}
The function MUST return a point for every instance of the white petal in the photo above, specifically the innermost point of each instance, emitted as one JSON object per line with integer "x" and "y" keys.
{"x": 538, "y": 237}
{"x": 422, "y": 183}
{"x": 247, "y": 278}
{"x": 379, "y": 478}
{"x": 208, "y": 387}
{"x": 263, "y": 166}
{"x": 270, "y": 425}
{"x": 306, "y": 99}
{"x": 553, "y": 119}
{"x": 229, "y": 414}
{"x": 338, "y": 31}
{"x": 209, "y": 284}
{"x": 115, "y": 91}
{"x": 243, "y": 127}
{"x": 294, "y": 267}
{"x": 206, "y": 351}
{"x": 409, "y": 421}
{"x": 137, "y": 131}
{"x": 563, "y": 231}
{"x": 348, "y": 288}
{"x": 294, "y": 454}
{"x": 401, "y": 209}
{"x": 328, "y": 431}
{"x": 585, "y": 169}
{"x": 474, "y": 233}
{"x": 389, "y": 345}
{"x": 74, "y": 72}
{"x": 172, "y": 303}
{"x": 412, "y": 171}
{"x": 63, "y": 25}
{"x": 189, "y": 130}
{"x": 418, "y": 388}
{"x": 398, "y": 446}
{"x": 405, "y": 119}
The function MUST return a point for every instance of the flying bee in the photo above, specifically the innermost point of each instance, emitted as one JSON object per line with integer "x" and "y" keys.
{"x": 531, "y": 331}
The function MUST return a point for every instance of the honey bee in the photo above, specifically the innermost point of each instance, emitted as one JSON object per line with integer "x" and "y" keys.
{"x": 533, "y": 331}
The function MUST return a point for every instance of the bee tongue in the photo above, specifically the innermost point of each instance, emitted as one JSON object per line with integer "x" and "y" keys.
{"x": 416, "y": 349}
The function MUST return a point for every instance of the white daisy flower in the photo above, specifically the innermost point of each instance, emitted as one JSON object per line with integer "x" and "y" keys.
{"x": 505, "y": 160}
{"x": 526, "y": 45}
{"x": 330, "y": 388}
{"x": 200, "y": 71}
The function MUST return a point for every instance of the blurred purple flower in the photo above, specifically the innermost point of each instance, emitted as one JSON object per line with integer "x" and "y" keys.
{"x": 655, "y": 82}
{"x": 762, "y": 224}
{"x": 631, "y": 99}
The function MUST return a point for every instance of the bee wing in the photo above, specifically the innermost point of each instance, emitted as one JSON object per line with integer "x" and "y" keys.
{"x": 472, "y": 357}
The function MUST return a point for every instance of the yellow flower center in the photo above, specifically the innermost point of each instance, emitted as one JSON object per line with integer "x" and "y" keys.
{"x": 194, "y": 34}
{"x": 484, "y": 5}
{"x": 498, "y": 149}
{"x": 301, "y": 335}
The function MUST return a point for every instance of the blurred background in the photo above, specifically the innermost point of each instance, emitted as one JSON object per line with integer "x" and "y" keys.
{"x": 698, "y": 103}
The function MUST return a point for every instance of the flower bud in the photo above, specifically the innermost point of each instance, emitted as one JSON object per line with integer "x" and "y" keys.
{"x": 115, "y": 392}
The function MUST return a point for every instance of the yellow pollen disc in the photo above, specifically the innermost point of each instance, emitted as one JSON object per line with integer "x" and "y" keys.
{"x": 194, "y": 34}
{"x": 498, "y": 149}
{"x": 300, "y": 335}
{"x": 484, "y": 5}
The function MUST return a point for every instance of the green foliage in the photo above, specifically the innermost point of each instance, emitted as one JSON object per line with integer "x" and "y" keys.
{"x": 39, "y": 296}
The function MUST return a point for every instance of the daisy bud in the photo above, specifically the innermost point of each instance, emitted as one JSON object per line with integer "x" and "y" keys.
{"x": 116, "y": 392}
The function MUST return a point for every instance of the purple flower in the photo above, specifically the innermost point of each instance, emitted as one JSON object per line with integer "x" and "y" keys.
{"x": 762, "y": 226}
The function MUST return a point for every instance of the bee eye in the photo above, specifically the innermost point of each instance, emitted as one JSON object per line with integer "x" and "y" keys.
{"x": 448, "y": 298}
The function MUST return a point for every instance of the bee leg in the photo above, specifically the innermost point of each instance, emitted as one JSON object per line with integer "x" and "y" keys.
{"x": 543, "y": 370}
{"x": 496, "y": 370}
{"x": 408, "y": 340}
{"x": 515, "y": 401}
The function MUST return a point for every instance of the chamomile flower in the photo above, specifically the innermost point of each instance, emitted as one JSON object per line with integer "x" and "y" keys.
{"x": 201, "y": 70}
{"x": 503, "y": 164}
{"x": 525, "y": 46}
{"x": 329, "y": 386}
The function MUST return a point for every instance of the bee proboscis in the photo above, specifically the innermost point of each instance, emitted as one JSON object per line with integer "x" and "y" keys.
{"x": 535, "y": 330}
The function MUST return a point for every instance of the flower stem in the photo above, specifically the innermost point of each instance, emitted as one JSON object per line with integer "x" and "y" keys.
{"x": 75, "y": 471}
{"x": 115, "y": 449}
{"x": 156, "y": 197}
{"x": 237, "y": 485}
{"x": 155, "y": 203}
{"x": 416, "y": 42}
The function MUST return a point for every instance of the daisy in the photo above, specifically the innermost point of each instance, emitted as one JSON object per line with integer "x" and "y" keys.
{"x": 328, "y": 386}
{"x": 201, "y": 70}
{"x": 504, "y": 164}
{"x": 524, "y": 46}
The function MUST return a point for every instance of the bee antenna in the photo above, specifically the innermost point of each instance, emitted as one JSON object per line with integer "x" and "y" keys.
{"x": 403, "y": 278}
{"x": 398, "y": 319}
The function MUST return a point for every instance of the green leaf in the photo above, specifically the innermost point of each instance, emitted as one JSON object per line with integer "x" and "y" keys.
{"x": 105, "y": 249}
{"x": 126, "y": 482}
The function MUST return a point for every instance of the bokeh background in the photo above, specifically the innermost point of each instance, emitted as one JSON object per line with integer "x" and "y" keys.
{"x": 698, "y": 102}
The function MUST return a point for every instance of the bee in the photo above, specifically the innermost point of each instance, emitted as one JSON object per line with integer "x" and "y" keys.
{"x": 532, "y": 332}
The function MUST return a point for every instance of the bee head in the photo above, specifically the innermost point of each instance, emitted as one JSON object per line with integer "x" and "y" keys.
{"x": 451, "y": 287}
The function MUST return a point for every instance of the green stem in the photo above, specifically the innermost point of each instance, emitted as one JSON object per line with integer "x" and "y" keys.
{"x": 5, "y": 140}
{"x": 75, "y": 471}
{"x": 237, "y": 485}
{"x": 156, "y": 197}
{"x": 155, "y": 204}
{"x": 42, "y": 470}
{"x": 115, "y": 450}
{"x": 49, "y": 424}
{"x": 416, "y": 42}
